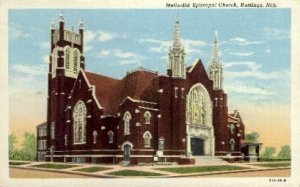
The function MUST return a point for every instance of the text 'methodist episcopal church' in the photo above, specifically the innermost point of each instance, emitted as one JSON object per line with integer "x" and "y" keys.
{"x": 144, "y": 117}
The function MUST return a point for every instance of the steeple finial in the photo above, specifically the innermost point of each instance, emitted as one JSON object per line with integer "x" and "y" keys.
{"x": 52, "y": 24}
{"x": 61, "y": 17}
{"x": 215, "y": 55}
{"x": 81, "y": 25}
{"x": 176, "y": 40}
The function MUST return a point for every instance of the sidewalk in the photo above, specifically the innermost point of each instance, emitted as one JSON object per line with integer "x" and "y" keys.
{"x": 152, "y": 169}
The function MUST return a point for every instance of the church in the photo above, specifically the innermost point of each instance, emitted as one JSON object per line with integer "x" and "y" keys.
{"x": 145, "y": 117}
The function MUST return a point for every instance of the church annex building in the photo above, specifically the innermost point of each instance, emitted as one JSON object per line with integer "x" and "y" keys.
{"x": 144, "y": 117}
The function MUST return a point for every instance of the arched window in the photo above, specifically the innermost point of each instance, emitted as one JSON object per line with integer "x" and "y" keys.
{"x": 231, "y": 126}
{"x": 52, "y": 131}
{"x": 232, "y": 144}
{"x": 54, "y": 62}
{"x": 67, "y": 58}
{"x": 127, "y": 118}
{"x": 76, "y": 60}
{"x": 79, "y": 122}
{"x": 110, "y": 137}
{"x": 147, "y": 117}
{"x": 196, "y": 112}
{"x": 147, "y": 139}
{"x": 161, "y": 143}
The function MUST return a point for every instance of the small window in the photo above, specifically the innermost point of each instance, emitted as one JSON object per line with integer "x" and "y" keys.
{"x": 95, "y": 134}
{"x": 161, "y": 143}
{"x": 147, "y": 139}
{"x": 52, "y": 131}
{"x": 176, "y": 92}
{"x": 147, "y": 116}
{"x": 232, "y": 144}
{"x": 110, "y": 137}
{"x": 231, "y": 128}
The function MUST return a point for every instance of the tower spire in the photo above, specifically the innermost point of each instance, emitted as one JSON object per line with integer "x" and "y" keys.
{"x": 177, "y": 40}
{"x": 61, "y": 16}
{"x": 176, "y": 54}
{"x": 215, "y": 69}
{"x": 215, "y": 55}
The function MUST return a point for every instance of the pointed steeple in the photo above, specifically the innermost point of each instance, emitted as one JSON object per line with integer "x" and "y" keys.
{"x": 61, "y": 17}
{"x": 81, "y": 25}
{"x": 176, "y": 39}
{"x": 215, "y": 55}
{"x": 52, "y": 24}
{"x": 176, "y": 54}
{"x": 215, "y": 69}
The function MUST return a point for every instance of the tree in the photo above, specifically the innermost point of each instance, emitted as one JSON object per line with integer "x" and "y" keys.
{"x": 12, "y": 140}
{"x": 28, "y": 151}
{"x": 285, "y": 152}
{"x": 252, "y": 137}
{"x": 268, "y": 153}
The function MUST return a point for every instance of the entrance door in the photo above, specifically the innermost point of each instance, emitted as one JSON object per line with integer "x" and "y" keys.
{"x": 197, "y": 146}
{"x": 127, "y": 149}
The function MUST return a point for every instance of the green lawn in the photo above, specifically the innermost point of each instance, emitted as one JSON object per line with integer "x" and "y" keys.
{"x": 92, "y": 169}
{"x": 273, "y": 165}
{"x": 18, "y": 163}
{"x": 54, "y": 166}
{"x": 133, "y": 173}
{"x": 200, "y": 169}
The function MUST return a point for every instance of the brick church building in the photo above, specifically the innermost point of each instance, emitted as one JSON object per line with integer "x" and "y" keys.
{"x": 143, "y": 117}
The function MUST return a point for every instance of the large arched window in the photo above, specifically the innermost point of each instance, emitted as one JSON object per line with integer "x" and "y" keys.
{"x": 147, "y": 117}
{"x": 67, "y": 58}
{"x": 196, "y": 106}
{"x": 127, "y": 118}
{"x": 147, "y": 139}
{"x": 79, "y": 122}
{"x": 76, "y": 60}
{"x": 232, "y": 144}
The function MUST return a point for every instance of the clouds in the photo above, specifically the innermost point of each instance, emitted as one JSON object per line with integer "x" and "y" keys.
{"x": 276, "y": 33}
{"x": 243, "y": 41}
{"x": 122, "y": 57}
{"x": 17, "y": 32}
{"x": 29, "y": 70}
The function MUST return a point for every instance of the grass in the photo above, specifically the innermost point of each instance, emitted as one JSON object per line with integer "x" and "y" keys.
{"x": 133, "y": 173}
{"x": 273, "y": 165}
{"x": 18, "y": 163}
{"x": 274, "y": 160}
{"x": 92, "y": 169}
{"x": 201, "y": 169}
{"x": 54, "y": 166}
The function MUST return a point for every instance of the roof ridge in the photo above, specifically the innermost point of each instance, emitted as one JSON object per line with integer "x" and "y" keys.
{"x": 100, "y": 75}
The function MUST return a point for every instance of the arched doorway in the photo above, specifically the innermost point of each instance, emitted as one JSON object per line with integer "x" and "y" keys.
{"x": 200, "y": 138}
{"x": 126, "y": 154}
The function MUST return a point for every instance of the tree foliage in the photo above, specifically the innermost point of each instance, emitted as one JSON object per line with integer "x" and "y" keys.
{"x": 252, "y": 137}
{"x": 28, "y": 150}
{"x": 285, "y": 152}
{"x": 269, "y": 153}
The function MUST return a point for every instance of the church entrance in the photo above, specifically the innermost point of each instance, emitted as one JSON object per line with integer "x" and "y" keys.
{"x": 127, "y": 149}
{"x": 197, "y": 146}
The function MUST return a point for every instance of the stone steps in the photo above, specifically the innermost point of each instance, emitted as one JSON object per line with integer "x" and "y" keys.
{"x": 208, "y": 160}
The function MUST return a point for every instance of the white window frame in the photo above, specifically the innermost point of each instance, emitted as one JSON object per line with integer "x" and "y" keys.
{"x": 79, "y": 122}
{"x": 110, "y": 135}
{"x": 52, "y": 130}
{"x": 147, "y": 116}
{"x": 147, "y": 139}
{"x": 127, "y": 117}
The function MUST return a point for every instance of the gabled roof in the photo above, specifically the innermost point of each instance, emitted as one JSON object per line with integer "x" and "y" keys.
{"x": 110, "y": 92}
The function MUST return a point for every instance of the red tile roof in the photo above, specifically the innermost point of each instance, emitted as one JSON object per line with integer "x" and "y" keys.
{"x": 110, "y": 92}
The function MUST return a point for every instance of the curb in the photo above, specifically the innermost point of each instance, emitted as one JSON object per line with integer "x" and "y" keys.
{"x": 163, "y": 176}
{"x": 67, "y": 172}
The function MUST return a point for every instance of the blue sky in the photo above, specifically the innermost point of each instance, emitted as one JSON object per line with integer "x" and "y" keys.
{"x": 254, "y": 47}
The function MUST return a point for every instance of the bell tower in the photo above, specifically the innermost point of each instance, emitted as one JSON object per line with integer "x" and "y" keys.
{"x": 65, "y": 61}
{"x": 215, "y": 69}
